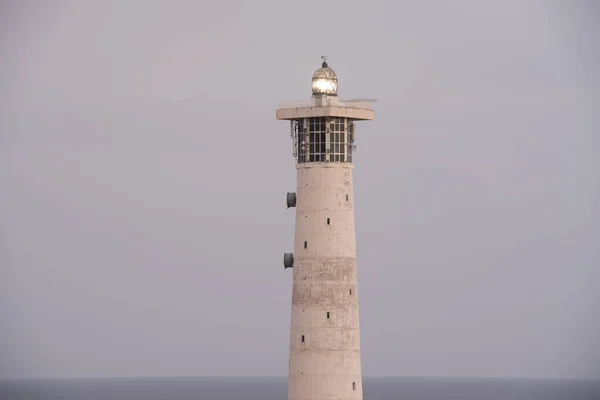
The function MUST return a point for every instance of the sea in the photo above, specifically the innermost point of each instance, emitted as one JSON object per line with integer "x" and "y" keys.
{"x": 276, "y": 389}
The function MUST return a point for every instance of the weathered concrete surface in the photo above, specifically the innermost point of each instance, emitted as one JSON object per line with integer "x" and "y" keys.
{"x": 325, "y": 338}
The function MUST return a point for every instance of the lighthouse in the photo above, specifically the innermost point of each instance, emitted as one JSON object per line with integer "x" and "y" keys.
{"x": 324, "y": 336}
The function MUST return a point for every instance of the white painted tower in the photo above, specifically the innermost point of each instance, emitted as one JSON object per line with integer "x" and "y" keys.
{"x": 325, "y": 337}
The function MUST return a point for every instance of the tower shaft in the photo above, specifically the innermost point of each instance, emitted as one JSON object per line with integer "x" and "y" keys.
{"x": 325, "y": 338}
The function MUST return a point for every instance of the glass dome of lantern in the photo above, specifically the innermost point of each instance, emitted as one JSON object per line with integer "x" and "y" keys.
{"x": 324, "y": 80}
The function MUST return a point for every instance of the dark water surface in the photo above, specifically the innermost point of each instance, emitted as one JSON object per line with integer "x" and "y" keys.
{"x": 276, "y": 388}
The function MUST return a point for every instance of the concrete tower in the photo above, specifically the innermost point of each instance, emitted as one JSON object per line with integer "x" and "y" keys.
{"x": 325, "y": 338}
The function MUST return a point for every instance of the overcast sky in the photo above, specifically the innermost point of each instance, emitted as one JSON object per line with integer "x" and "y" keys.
{"x": 143, "y": 178}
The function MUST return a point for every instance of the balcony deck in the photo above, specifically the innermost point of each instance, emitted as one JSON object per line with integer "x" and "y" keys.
{"x": 329, "y": 107}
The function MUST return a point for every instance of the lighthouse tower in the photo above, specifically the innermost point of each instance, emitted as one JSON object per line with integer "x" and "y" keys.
{"x": 325, "y": 338}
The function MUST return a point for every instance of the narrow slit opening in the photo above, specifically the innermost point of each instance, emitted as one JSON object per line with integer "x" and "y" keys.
{"x": 305, "y": 244}
{"x": 328, "y": 314}
{"x": 328, "y": 221}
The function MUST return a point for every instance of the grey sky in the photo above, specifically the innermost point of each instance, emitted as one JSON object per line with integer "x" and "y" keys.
{"x": 143, "y": 176}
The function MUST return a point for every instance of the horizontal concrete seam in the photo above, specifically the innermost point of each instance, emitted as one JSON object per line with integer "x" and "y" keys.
{"x": 326, "y": 351}
{"x": 317, "y": 282}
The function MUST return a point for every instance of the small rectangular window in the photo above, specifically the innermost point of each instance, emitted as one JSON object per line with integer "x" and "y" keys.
{"x": 302, "y": 338}
{"x": 328, "y": 314}
{"x": 305, "y": 244}
{"x": 350, "y": 291}
{"x": 353, "y": 385}
{"x": 346, "y": 197}
{"x": 328, "y": 221}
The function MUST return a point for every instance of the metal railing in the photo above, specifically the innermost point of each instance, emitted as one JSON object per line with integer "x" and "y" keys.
{"x": 295, "y": 104}
{"x": 356, "y": 104}
{"x": 360, "y": 104}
